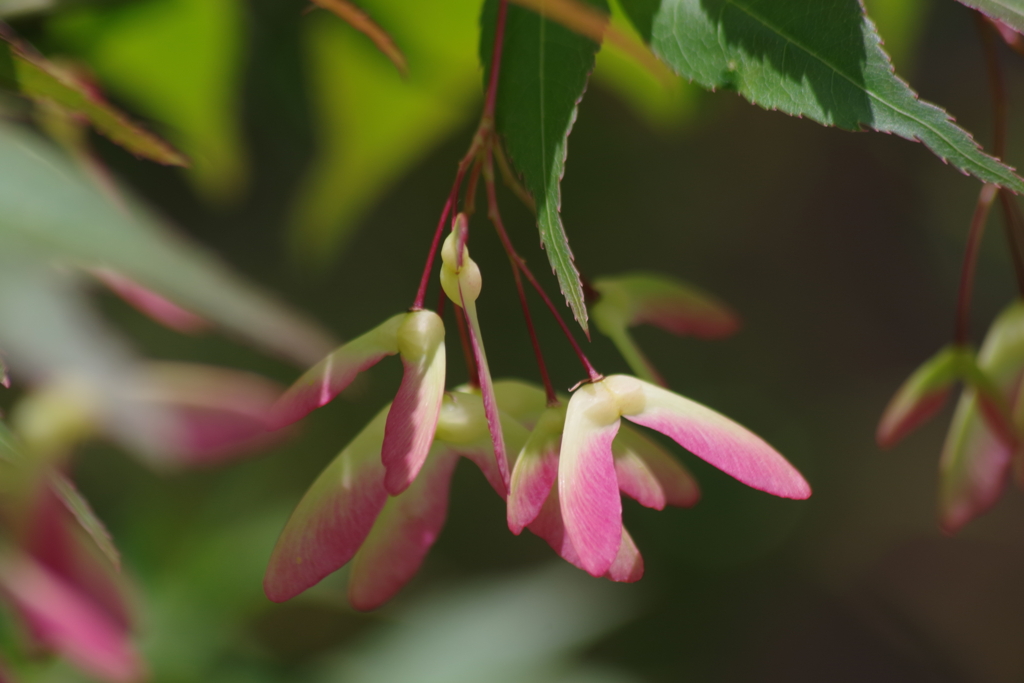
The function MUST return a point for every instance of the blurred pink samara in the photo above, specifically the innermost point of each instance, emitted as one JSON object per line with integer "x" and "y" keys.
{"x": 65, "y": 586}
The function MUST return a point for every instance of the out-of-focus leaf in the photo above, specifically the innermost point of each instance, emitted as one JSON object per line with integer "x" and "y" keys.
{"x": 150, "y": 303}
{"x": 50, "y": 335}
{"x": 816, "y": 58}
{"x": 57, "y": 214}
{"x": 45, "y": 82}
{"x": 8, "y": 78}
{"x": 361, "y": 21}
{"x": 372, "y": 124}
{"x": 544, "y": 72}
{"x": 218, "y": 413}
{"x": 179, "y": 62}
{"x": 12, "y": 8}
{"x": 501, "y": 632}
{"x": 10, "y": 449}
{"x": 1010, "y": 12}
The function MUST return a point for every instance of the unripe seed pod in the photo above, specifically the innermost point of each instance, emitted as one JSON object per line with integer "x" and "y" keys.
{"x": 453, "y": 277}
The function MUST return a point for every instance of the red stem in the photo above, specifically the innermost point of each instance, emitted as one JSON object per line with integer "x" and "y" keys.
{"x": 492, "y": 84}
{"x": 469, "y": 202}
{"x": 549, "y": 389}
{"x": 961, "y": 330}
{"x": 997, "y": 85}
{"x": 453, "y": 197}
{"x": 1000, "y": 125}
{"x": 520, "y": 264}
{"x": 480, "y": 139}
{"x": 1014, "y": 229}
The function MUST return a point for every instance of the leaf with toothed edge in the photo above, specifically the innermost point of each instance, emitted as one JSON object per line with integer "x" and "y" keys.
{"x": 821, "y": 59}
{"x": 1010, "y": 12}
{"x": 544, "y": 72}
{"x": 44, "y": 82}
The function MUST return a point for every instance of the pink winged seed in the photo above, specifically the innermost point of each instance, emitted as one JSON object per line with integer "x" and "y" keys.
{"x": 55, "y": 538}
{"x": 69, "y": 622}
{"x": 328, "y": 378}
{"x": 535, "y": 469}
{"x": 975, "y": 461}
{"x": 899, "y": 421}
{"x": 413, "y": 419}
{"x": 333, "y": 519}
{"x": 650, "y": 475}
{"x": 532, "y": 478}
{"x": 145, "y": 300}
{"x": 711, "y": 436}
{"x": 921, "y": 395}
{"x": 403, "y": 534}
{"x": 974, "y": 467}
{"x": 673, "y": 306}
{"x": 628, "y": 565}
{"x": 218, "y": 413}
{"x": 587, "y": 483}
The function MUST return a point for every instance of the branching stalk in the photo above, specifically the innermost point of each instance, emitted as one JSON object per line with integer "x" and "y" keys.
{"x": 481, "y": 140}
{"x": 520, "y": 264}
{"x": 961, "y": 330}
{"x": 1012, "y": 222}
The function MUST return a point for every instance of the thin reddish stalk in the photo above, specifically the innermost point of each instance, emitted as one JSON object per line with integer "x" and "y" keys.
{"x": 961, "y": 330}
{"x": 997, "y": 85}
{"x": 492, "y": 84}
{"x": 453, "y": 197}
{"x": 520, "y": 264}
{"x": 542, "y": 367}
{"x": 469, "y": 203}
{"x": 510, "y": 179}
{"x": 421, "y": 293}
{"x": 1014, "y": 230}
{"x": 480, "y": 140}
{"x": 442, "y": 300}
{"x": 1012, "y": 222}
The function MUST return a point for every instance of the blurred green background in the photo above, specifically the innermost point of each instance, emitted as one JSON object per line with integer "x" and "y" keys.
{"x": 320, "y": 174}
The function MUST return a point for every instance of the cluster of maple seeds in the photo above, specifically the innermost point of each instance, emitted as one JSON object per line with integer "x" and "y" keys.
{"x": 561, "y": 465}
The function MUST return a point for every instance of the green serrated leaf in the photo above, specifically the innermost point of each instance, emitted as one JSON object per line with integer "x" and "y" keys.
{"x": 1010, "y": 12}
{"x": 43, "y": 82}
{"x": 816, "y": 58}
{"x": 544, "y": 73}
